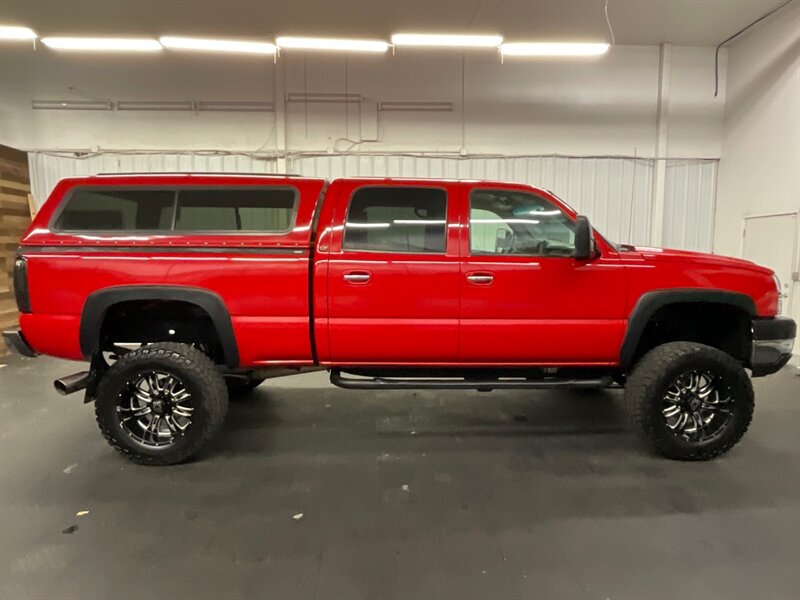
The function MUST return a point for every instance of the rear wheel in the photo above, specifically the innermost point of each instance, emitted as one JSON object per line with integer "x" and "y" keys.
{"x": 160, "y": 404}
{"x": 692, "y": 402}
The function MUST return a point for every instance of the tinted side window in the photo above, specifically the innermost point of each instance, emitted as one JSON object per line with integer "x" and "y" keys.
{"x": 113, "y": 210}
{"x": 269, "y": 210}
{"x": 509, "y": 222}
{"x": 397, "y": 219}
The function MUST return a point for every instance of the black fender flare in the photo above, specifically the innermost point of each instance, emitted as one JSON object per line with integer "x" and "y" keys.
{"x": 98, "y": 303}
{"x": 651, "y": 301}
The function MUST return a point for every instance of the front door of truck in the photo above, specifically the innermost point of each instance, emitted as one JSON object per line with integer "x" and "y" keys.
{"x": 525, "y": 299}
{"x": 393, "y": 275}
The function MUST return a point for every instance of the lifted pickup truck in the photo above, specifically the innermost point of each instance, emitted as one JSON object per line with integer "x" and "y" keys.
{"x": 182, "y": 289}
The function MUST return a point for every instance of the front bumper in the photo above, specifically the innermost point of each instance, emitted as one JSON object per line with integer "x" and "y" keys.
{"x": 773, "y": 340}
{"x": 15, "y": 340}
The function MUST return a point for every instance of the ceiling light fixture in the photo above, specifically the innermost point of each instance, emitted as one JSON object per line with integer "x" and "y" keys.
{"x": 182, "y": 43}
{"x": 72, "y": 105}
{"x": 155, "y": 105}
{"x": 235, "y": 106}
{"x": 447, "y": 40}
{"x": 415, "y": 106}
{"x": 323, "y": 97}
{"x": 340, "y": 45}
{"x": 109, "y": 44}
{"x": 553, "y": 49}
{"x": 12, "y": 32}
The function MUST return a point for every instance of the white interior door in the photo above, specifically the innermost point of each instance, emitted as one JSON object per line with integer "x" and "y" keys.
{"x": 771, "y": 241}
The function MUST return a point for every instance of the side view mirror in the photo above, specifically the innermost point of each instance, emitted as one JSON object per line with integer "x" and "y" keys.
{"x": 584, "y": 240}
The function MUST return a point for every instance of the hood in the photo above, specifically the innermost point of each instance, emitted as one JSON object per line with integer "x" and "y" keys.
{"x": 687, "y": 256}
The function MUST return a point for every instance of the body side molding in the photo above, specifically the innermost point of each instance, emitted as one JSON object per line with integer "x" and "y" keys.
{"x": 98, "y": 303}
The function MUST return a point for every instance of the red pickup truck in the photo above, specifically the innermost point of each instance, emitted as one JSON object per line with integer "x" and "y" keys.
{"x": 182, "y": 289}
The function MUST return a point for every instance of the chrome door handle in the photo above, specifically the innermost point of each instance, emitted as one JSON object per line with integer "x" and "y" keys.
{"x": 357, "y": 277}
{"x": 480, "y": 278}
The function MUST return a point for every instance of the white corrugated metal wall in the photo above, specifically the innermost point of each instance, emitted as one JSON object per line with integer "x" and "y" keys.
{"x": 615, "y": 192}
{"x": 47, "y": 169}
{"x": 689, "y": 223}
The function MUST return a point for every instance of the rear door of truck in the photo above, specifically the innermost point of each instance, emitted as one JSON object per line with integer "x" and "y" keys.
{"x": 388, "y": 292}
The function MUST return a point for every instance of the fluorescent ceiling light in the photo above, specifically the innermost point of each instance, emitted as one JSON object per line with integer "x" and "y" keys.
{"x": 416, "y": 106}
{"x": 449, "y": 41}
{"x": 553, "y": 49}
{"x": 156, "y": 105}
{"x": 112, "y": 44}
{"x": 323, "y": 97}
{"x": 218, "y": 45}
{"x": 71, "y": 105}
{"x": 419, "y": 221}
{"x": 515, "y": 221}
{"x": 236, "y": 106}
{"x": 11, "y": 32}
{"x": 368, "y": 225}
{"x": 302, "y": 43}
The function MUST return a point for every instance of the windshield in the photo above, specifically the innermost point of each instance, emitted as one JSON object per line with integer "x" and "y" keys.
{"x": 617, "y": 247}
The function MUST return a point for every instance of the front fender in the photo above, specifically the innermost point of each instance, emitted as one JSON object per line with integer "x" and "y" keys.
{"x": 652, "y": 301}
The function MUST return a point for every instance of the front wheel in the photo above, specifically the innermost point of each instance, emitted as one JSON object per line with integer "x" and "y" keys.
{"x": 160, "y": 404}
{"x": 693, "y": 402}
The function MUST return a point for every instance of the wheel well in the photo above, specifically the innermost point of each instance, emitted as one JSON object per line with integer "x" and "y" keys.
{"x": 722, "y": 326}
{"x": 150, "y": 321}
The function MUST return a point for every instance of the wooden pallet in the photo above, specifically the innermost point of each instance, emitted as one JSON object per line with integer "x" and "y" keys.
{"x": 15, "y": 216}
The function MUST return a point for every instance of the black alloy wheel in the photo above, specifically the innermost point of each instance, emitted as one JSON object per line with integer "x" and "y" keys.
{"x": 691, "y": 401}
{"x": 161, "y": 404}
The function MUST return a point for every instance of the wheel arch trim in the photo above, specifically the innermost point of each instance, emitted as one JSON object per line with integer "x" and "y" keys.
{"x": 98, "y": 304}
{"x": 650, "y": 302}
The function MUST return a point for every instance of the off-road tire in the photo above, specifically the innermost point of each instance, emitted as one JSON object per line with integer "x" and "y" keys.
{"x": 209, "y": 397}
{"x": 648, "y": 384}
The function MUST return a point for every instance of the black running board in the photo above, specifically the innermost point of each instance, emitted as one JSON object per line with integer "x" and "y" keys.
{"x": 422, "y": 383}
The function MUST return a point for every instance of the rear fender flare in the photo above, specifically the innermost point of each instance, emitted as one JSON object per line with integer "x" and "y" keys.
{"x": 98, "y": 303}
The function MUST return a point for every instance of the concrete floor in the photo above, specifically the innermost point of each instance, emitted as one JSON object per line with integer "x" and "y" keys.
{"x": 403, "y": 495}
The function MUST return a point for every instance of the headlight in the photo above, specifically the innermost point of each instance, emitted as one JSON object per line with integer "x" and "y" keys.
{"x": 777, "y": 281}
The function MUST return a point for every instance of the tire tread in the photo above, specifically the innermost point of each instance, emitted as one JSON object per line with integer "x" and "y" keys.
{"x": 647, "y": 375}
{"x": 201, "y": 367}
